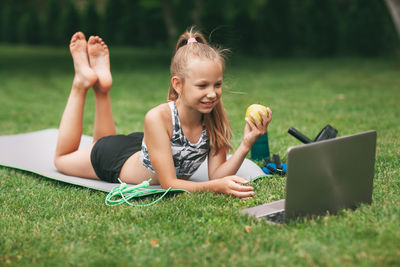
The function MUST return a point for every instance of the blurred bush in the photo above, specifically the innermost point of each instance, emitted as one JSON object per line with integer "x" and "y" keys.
{"x": 261, "y": 27}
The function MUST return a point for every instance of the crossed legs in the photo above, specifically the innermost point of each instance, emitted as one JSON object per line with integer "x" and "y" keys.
{"x": 92, "y": 69}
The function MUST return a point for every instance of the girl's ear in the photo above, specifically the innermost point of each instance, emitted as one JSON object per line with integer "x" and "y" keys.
{"x": 177, "y": 84}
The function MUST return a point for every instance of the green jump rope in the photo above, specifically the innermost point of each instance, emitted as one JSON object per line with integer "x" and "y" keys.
{"x": 123, "y": 193}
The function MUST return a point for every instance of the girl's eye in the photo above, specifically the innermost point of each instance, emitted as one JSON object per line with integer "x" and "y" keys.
{"x": 202, "y": 85}
{"x": 218, "y": 85}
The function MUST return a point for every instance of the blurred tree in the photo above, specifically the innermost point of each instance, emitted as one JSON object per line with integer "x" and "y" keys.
{"x": 9, "y": 21}
{"x": 213, "y": 20}
{"x": 322, "y": 28}
{"x": 91, "y": 24}
{"x": 179, "y": 15}
{"x": 112, "y": 23}
{"x": 69, "y": 23}
{"x": 196, "y": 12}
{"x": 168, "y": 15}
{"x": 152, "y": 29}
{"x": 344, "y": 19}
{"x": 131, "y": 21}
{"x": 244, "y": 31}
{"x": 51, "y": 21}
{"x": 2, "y": 7}
{"x": 273, "y": 27}
{"x": 299, "y": 26}
{"x": 219, "y": 23}
{"x": 28, "y": 26}
{"x": 365, "y": 35}
{"x": 277, "y": 33}
{"x": 394, "y": 8}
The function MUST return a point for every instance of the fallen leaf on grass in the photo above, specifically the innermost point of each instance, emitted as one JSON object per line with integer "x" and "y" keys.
{"x": 340, "y": 96}
{"x": 155, "y": 243}
{"x": 247, "y": 228}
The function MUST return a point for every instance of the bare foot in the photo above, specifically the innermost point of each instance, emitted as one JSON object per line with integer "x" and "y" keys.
{"x": 100, "y": 62}
{"x": 85, "y": 77}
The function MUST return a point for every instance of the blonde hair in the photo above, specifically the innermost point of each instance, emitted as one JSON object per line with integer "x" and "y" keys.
{"x": 217, "y": 124}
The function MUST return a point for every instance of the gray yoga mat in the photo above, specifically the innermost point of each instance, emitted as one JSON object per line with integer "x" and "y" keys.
{"x": 34, "y": 151}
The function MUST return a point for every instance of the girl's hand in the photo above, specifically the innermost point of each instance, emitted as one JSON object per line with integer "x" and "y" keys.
{"x": 233, "y": 185}
{"x": 253, "y": 131}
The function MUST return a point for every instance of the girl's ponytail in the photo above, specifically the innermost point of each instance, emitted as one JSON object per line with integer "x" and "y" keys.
{"x": 185, "y": 37}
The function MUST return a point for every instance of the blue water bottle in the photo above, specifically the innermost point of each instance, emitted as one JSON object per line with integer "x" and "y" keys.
{"x": 260, "y": 149}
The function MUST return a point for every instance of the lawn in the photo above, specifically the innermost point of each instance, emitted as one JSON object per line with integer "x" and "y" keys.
{"x": 43, "y": 222}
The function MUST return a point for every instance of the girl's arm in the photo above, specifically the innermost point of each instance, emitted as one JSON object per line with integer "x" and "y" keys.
{"x": 219, "y": 166}
{"x": 159, "y": 148}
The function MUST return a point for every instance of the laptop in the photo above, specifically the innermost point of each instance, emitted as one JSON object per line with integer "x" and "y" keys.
{"x": 324, "y": 176}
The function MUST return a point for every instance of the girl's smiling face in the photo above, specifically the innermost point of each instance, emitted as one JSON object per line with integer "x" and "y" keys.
{"x": 201, "y": 89}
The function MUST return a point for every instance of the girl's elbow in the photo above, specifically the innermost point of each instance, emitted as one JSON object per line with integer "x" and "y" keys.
{"x": 168, "y": 184}
{"x": 214, "y": 176}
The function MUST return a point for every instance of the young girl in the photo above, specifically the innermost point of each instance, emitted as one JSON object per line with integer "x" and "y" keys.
{"x": 178, "y": 135}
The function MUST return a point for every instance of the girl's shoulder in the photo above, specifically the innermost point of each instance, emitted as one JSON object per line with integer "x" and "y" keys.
{"x": 160, "y": 111}
{"x": 160, "y": 114}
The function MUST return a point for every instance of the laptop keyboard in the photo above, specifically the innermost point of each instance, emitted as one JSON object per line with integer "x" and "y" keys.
{"x": 276, "y": 217}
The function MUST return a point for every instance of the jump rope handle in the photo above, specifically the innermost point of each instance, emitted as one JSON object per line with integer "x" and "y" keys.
{"x": 299, "y": 135}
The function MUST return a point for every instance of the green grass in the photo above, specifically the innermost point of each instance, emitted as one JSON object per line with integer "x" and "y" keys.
{"x": 43, "y": 222}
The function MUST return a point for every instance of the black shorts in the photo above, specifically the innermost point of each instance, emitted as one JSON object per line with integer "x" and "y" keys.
{"x": 110, "y": 153}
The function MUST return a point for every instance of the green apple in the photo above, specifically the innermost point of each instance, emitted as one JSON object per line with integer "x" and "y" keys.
{"x": 253, "y": 110}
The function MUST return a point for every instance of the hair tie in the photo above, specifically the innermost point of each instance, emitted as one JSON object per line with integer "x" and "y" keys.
{"x": 192, "y": 40}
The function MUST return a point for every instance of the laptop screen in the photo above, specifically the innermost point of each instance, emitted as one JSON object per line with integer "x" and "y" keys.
{"x": 330, "y": 175}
